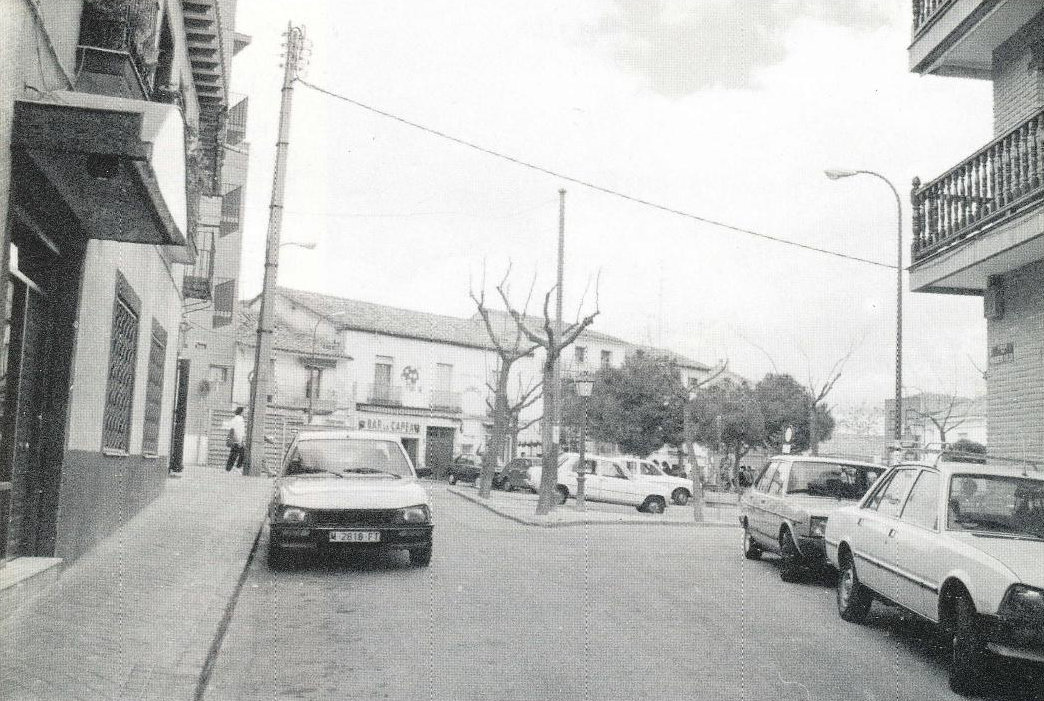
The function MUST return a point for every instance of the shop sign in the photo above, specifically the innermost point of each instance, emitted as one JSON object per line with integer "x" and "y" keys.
{"x": 1002, "y": 353}
{"x": 389, "y": 426}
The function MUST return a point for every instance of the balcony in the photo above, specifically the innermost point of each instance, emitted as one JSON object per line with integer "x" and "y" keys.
{"x": 958, "y": 37}
{"x": 384, "y": 395}
{"x": 445, "y": 400}
{"x": 984, "y": 204}
{"x": 199, "y": 279}
{"x": 318, "y": 406}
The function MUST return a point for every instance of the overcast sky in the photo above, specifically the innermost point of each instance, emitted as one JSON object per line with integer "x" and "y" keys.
{"x": 727, "y": 109}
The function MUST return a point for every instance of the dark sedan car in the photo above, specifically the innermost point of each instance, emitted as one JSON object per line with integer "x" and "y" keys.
{"x": 464, "y": 468}
{"x": 516, "y": 475}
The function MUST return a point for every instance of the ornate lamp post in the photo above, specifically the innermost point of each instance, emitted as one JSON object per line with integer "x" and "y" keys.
{"x": 584, "y": 383}
{"x": 837, "y": 174}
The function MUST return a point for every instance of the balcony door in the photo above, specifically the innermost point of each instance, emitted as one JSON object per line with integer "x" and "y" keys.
{"x": 382, "y": 378}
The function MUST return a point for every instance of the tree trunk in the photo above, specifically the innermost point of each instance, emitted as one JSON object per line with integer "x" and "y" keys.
{"x": 549, "y": 473}
{"x": 813, "y": 431}
{"x": 696, "y": 473}
{"x": 496, "y": 441}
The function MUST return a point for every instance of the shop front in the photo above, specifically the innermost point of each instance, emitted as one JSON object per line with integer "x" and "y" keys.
{"x": 430, "y": 440}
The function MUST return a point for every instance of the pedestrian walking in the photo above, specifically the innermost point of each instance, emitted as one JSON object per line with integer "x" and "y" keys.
{"x": 235, "y": 439}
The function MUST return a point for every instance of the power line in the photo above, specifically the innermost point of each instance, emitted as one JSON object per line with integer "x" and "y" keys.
{"x": 590, "y": 185}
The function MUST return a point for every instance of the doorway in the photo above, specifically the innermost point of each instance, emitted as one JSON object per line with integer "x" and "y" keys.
{"x": 438, "y": 453}
{"x": 411, "y": 445}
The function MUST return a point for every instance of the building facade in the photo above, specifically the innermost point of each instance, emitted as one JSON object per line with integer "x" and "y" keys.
{"x": 426, "y": 377}
{"x": 106, "y": 145}
{"x": 979, "y": 227}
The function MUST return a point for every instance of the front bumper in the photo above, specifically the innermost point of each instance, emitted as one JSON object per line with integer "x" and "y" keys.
{"x": 812, "y": 548}
{"x": 1017, "y": 639}
{"x": 308, "y": 537}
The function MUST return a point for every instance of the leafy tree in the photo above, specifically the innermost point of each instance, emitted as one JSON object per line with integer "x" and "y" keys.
{"x": 639, "y": 405}
{"x": 728, "y": 414}
{"x": 786, "y": 402}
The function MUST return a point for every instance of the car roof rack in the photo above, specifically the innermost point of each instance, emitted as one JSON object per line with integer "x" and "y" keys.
{"x": 944, "y": 452}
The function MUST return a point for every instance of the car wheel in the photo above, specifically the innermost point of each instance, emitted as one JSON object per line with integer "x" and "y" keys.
{"x": 420, "y": 557}
{"x": 969, "y": 655}
{"x": 790, "y": 569}
{"x": 680, "y": 496}
{"x": 653, "y": 505}
{"x": 751, "y": 551}
{"x": 853, "y": 599}
{"x": 278, "y": 558}
{"x": 561, "y": 494}
{"x": 452, "y": 479}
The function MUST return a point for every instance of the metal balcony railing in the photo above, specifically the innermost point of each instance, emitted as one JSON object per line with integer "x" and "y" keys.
{"x": 384, "y": 394}
{"x": 1000, "y": 181}
{"x": 445, "y": 400}
{"x": 926, "y": 10}
{"x": 199, "y": 279}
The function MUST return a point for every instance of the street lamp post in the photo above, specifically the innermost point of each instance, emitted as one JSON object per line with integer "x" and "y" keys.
{"x": 837, "y": 174}
{"x": 311, "y": 359}
{"x": 583, "y": 384}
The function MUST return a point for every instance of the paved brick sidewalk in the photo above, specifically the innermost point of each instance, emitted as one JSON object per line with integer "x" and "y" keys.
{"x": 136, "y": 616}
{"x": 521, "y": 507}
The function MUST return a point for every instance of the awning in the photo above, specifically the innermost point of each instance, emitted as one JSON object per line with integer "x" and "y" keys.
{"x": 118, "y": 164}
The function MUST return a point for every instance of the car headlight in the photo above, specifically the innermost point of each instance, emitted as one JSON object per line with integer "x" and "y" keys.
{"x": 293, "y": 514}
{"x": 1024, "y": 604}
{"x": 817, "y": 526}
{"x": 413, "y": 514}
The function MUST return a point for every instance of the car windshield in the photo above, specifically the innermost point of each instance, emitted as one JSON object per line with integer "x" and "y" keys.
{"x": 997, "y": 504}
{"x": 348, "y": 456}
{"x": 650, "y": 470}
{"x": 831, "y": 479}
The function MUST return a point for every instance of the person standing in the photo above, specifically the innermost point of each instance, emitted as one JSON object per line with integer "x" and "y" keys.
{"x": 235, "y": 440}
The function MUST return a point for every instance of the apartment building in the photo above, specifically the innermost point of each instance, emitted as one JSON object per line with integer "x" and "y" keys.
{"x": 425, "y": 377}
{"x": 106, "y": 144}
{"x": 979, "y": 227}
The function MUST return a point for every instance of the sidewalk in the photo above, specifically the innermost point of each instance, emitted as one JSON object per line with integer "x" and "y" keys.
{"x": 135, "y": 617}
{"x": 521, "y": 507}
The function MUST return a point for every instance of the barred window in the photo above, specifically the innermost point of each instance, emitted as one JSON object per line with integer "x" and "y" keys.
{"x": 230, "y": 211}
{"x": 224, "y": 300}
{"x": 154, "y": 390}
{"x": 123, "y": 354}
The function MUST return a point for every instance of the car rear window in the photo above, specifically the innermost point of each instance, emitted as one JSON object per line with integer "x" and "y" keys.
{"x": 362, "y": 456}
{"x": 831, "y": 479}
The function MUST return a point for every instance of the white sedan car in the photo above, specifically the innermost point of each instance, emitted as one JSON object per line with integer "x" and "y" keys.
{"x": 606, "y": 480}
{"x": 681, "y": 488}
{"x": 959, "y": 544}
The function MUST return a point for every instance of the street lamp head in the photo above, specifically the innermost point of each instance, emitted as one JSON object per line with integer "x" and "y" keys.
{"x": 838, "y": 173}
{"x": 584, "y": 383}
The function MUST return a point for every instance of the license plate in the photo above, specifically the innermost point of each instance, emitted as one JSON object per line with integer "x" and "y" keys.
{"x": 355, "y": 536}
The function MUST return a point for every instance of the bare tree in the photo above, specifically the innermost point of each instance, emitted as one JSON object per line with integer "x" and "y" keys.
{"x": 818, "y": 392}
{"x": 553, "y": 345}
{"x": 690, "y": 443}
{"x": 947, "y": 414}
{"x": 509, "y": 350}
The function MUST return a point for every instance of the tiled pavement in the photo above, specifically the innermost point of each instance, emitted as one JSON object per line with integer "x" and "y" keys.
{"x": 135, "y": 618}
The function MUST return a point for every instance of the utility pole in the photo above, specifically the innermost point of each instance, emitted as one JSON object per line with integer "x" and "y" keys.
{"x": 556, "y": 414}
{"x": 259, "y": 388}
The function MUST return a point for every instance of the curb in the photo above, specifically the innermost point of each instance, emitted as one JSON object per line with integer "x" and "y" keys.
{"x": 527, "y": 521}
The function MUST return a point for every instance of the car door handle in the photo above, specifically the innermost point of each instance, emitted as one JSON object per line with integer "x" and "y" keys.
{"x": 891, "y": 532}
{"x": 859, "y": 521}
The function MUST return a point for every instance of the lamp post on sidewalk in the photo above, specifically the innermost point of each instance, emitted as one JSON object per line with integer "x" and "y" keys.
{"x": 837, "y": 174}
{"x": 583, "y": 384}
{"x": 313, "y": 386}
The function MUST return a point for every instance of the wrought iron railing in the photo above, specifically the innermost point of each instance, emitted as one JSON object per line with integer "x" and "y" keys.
{"x": 1001, "y": 180}
{"x": 444, "y": 399}
{"x": 926, "y": 10}
{"x": 385, "y": 394}
{"x": 199, "y": 279}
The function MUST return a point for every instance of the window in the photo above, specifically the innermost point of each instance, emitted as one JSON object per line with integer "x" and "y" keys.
{"x": 314, "y": 383}
{"x": 224, "y": 298}
{"x": 218, "y": 374}
{"x": 607, "y": 358}
{"x": 123, "y": 357}
{"x": 443, "y": 377}
{"x": 154, "y": 390}
{"x": 761, "y": 484}
{"x": 830, "y": 479}
{"x": 922, "y": 506}
{"x": 889, "y": 501}
{"x": 230, "y": 208}
{"x": 580, "y": 354}
{"x": 382, "y": 371}
{"x": 776, "y": 485}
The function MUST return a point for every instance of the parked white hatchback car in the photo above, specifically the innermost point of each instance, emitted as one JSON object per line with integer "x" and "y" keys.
{"x": 681, "y": 488}
{"x": 606, "y": 480}
{"x": 957, "y": 543}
